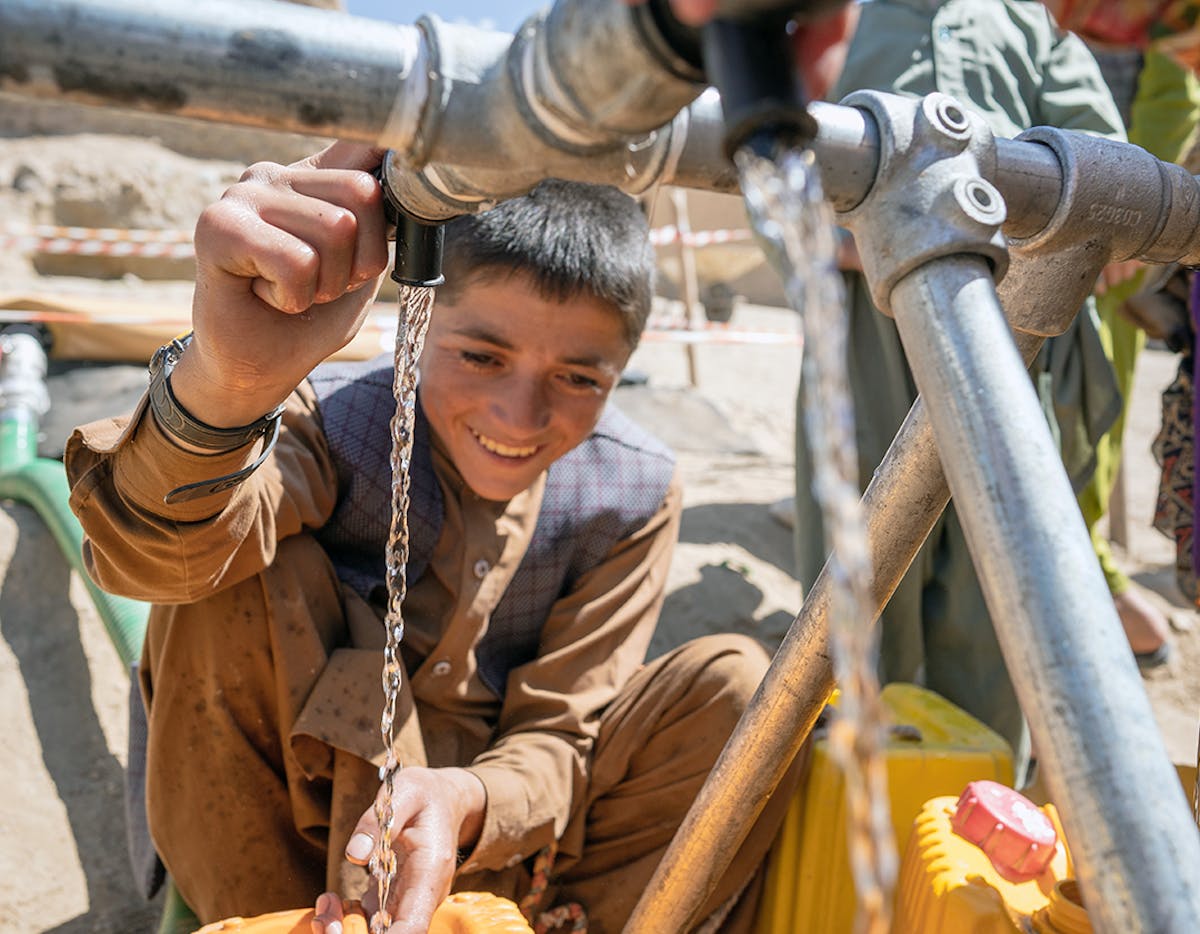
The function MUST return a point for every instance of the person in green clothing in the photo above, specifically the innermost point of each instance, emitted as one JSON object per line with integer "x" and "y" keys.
{"x": 1007, "y": 60}
{"x": 1162, "y": 114}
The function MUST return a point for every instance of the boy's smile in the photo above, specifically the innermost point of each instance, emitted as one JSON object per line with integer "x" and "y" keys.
{"x": 512, "y": 380}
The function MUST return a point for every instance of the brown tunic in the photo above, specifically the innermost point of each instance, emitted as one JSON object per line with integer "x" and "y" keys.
{"x": 261, "y": 673}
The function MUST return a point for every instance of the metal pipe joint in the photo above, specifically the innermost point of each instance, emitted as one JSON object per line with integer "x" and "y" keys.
{"x": 1152, "y": 213}
{"x": 931, "y": 197}
{"x": 23, "y": 364}
{"x": 584, "y": 90}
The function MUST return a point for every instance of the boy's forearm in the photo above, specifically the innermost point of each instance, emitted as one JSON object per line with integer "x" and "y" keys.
{"x": 140, "y": 547}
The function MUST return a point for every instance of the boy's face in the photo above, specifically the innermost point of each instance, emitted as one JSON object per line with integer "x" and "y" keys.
{"x": 511, "y": 381}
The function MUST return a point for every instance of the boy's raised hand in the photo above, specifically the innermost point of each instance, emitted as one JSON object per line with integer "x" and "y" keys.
{"x": 287, "y": 263}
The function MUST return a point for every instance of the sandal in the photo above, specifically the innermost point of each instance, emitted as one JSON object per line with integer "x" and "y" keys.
{"x": 1156, "y": 658}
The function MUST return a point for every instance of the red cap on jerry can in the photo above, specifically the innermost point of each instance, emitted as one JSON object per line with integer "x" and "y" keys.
{"x": 1015, "y": 834}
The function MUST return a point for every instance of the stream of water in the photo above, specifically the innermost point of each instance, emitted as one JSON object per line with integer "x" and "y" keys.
{"x": 416, "y": 302}
{"x": 796, "y": 227}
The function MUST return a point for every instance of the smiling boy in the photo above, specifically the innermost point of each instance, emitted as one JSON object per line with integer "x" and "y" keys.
{"x": 542, "y": 524}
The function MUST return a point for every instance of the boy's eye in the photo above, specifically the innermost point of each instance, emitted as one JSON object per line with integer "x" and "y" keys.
{"x": 476, "y": 358}
{"x": 581, "y": 381}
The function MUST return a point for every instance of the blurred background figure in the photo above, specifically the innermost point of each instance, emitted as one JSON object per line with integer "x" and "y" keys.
{"x": 1008, "y": 61}
{"x": 1140, "y": 46}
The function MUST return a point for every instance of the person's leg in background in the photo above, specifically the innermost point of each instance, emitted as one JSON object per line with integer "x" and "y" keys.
{"x": 1163, "y": 118}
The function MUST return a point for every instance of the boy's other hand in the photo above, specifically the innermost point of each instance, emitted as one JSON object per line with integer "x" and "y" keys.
{"x": 435, "y": 812}
{"x": 287, "y": 263}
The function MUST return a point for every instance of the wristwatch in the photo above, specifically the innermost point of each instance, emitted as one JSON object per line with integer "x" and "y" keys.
{"x": 177, "y": 421}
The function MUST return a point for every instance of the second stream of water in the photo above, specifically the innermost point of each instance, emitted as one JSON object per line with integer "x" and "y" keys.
{"x": 795, "y": 226}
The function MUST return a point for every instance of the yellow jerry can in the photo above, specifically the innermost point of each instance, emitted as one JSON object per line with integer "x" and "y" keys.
{"x": 459, "y": 913}
{"x": 934, "y": 748}
{"x": 990, "y": 879}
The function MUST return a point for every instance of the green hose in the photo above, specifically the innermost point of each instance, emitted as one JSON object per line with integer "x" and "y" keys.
{"x": 42, "y": 483}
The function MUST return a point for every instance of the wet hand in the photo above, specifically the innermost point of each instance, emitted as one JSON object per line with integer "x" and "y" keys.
{"x": 820, "y": 44}
{"x": 288, "y": 262}
{"x": 435, "y": 812}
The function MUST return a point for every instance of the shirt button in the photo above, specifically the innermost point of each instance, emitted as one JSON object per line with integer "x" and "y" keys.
{"x": 442, "y": 668}
{"x": 481, "y": 568}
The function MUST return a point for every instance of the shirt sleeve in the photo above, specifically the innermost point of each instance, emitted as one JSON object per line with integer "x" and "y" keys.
{"x": 137, "y": 546}
{"x": 593, "y": 641}
{"x": 1074, "y": 95}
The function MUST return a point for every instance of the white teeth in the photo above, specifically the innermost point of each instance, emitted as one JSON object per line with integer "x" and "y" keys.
{"x": 503, "y": 449}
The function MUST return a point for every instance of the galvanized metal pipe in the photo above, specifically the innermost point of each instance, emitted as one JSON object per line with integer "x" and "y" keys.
{"x": 904, "y": 500}
{"x": 272, "y": 66}
{"x": 901, "y": 505}
{"x": 1029, "y": 176}
{"x": 583, "y": 90}
{"x": 1136, "y": 850}
{"x": 439, "y": 94}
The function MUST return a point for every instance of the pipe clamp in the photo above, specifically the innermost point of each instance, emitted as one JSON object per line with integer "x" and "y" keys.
{"x": 931, "y": 196}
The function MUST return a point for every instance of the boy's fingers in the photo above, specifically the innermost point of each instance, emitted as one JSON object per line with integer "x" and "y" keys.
{"x": 346, "y": 155}
{"x": 311, "y": 239}
{"x": 427, "y": 875}
{"x": 360, "y": 847}
{"x": 281, "y": 267}
{"x": 327, "y": 918}
{"x": 361, "y": 196}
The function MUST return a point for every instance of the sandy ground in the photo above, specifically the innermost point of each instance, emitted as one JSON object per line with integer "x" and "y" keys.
{"x": 63, "y": 691}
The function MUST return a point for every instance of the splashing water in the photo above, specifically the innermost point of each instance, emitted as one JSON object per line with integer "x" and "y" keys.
{"x": 416, "y": 303}
{"x": 788, "y": 211}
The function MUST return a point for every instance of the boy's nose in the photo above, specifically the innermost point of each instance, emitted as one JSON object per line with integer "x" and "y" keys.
{"x": 524, "y": 407}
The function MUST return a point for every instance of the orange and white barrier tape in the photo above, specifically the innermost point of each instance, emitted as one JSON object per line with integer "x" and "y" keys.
{"x": 177, "y": 244}
{"x": 661, "y": 236}
{"x": 96, "y": 241}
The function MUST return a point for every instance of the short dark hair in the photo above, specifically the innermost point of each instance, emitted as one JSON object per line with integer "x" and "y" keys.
{"x": 568, "y": 239}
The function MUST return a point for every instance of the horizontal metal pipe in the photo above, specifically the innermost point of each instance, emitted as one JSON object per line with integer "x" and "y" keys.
{"x": 265, "y": 65}
{"x": 441, "y": 94}
{"x": 1136, "y": 850}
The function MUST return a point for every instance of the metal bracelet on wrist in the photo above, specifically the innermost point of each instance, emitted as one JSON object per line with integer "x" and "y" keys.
{"x": 175, "y": 420}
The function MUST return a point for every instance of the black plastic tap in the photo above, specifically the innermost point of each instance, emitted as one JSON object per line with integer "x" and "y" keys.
{"x": 418, "y": 243}
{"x": 749, "y": 58}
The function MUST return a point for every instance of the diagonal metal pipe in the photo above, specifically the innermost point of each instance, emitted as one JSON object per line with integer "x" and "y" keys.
{"x": 1087, "y": 717}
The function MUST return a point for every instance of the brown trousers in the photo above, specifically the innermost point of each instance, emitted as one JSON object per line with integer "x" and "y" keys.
{"x": 248, "y": 822}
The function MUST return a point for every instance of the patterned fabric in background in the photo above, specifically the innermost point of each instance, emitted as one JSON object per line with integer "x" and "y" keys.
{"x": 1170, "y": 25}
{"x": 1174, "y": 449}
